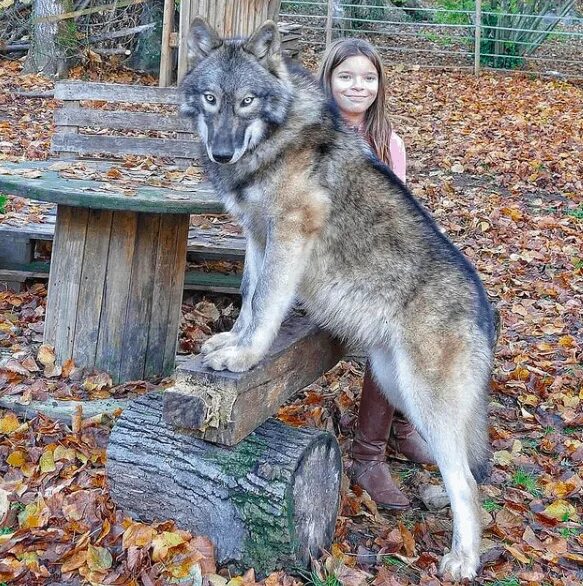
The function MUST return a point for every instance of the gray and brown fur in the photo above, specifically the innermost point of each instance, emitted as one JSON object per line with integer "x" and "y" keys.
{"x": 325, "y": 221}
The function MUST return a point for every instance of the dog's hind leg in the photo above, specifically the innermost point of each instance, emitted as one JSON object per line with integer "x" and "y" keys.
{"x": 444, "y": 416}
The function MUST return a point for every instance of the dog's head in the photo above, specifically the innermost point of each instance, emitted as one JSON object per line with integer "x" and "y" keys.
{"x": 236, "y": 90}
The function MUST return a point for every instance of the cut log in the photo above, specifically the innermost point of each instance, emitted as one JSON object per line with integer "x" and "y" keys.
{"x": 224, "y": 407}
{"x": 268, "y": 503}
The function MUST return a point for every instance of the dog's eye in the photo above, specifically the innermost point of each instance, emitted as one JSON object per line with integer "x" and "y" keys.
{"x": 210, "y": 99}
{"x": 247, "y": 101}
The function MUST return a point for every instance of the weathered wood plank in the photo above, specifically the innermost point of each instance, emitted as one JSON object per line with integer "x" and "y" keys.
{"x": 203, "y": 243}
{"x": 64, "y": 281}
{"x": 139, "y": 305}
{"x": 115, "y": 92}
{"x": 49, "y": 186}
{"x": 108, "y": 355}
{"x": 270, "y": 502}
{"x": 90, "y": 144}
{"x": 231, "y": 405}
{"x": 193, "y": 280}
{"x": 122, "y": 120}
{"x": 161, "y": 300}
{"x": 92, "y": 287}
{"x": 174, "y": 288}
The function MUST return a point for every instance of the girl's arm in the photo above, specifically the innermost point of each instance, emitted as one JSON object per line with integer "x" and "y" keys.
{"x": 398, "y": 157}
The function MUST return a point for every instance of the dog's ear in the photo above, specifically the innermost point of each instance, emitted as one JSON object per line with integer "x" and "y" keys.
{"x": 265, "y": 44}
{"x": 202, "y": 40}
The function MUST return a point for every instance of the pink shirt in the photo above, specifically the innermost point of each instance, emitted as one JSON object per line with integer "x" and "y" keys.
{"x": 398, "y": 156}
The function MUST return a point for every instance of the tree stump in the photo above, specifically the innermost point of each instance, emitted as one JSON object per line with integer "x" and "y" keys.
{"x": 269, "y": 503}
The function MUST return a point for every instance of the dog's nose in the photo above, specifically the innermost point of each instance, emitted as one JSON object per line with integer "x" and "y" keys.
{"x": 222, "y": 156}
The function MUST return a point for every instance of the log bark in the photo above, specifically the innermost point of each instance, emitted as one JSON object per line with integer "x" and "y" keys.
{"x": 268, "y": 503}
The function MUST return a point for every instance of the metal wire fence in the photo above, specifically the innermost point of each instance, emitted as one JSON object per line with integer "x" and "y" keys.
{"x": 533, "y": 35}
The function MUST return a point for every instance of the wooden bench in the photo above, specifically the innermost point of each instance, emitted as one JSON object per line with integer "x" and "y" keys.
{"x": 85, "y": 129}
{"x": 119, "y": 253}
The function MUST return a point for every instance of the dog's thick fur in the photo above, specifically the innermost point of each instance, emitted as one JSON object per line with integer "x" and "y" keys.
{"x": 327, "y": 222}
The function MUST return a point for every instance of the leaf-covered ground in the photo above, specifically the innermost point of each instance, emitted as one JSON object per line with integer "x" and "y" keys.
{"x": 499, "y": 163}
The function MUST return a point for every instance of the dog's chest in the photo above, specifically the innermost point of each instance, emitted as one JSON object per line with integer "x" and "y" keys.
{"x": 248, "y": 205}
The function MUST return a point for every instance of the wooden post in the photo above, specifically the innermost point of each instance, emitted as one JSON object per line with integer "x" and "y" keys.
{"x": 478, "y": 37}
{"x": 329, "y": 22}
{"x": 115, "y": 288}
{"x": 268, "y": 503}
{"x": 166, "y": 52}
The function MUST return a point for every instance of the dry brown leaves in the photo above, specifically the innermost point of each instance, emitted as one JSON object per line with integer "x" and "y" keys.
{"x": 499, "y": 163}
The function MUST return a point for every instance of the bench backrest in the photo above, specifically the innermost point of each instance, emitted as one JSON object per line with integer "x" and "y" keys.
{"x": 84, "y": 127}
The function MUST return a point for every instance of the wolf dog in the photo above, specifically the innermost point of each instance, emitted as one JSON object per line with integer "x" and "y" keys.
{"x": 328, "y": 223}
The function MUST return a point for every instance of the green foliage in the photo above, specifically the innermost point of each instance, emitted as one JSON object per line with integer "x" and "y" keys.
{"x": 389, "y": 560}
{"x": 491, "y": 505}
{"x": 455, "y": 11}
{"x": 509, "y": 34}
{"x": 511, "y": 29}
{"x": 3, "y": 200}
{"x": 527, "y": 481}
{"x": 329, "y": 580}
{"x": 568, "y": 532}
{"x": 444, "y": 41}
{"x": 577, "y": 212}
{"x": 505, "y": 582}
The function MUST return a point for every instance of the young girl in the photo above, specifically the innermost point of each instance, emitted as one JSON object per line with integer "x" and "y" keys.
{"x": 352, "y": 74}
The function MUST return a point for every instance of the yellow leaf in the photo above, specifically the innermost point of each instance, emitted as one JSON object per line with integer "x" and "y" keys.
{"x": 138, "y": 535}
{"x": 16, "y": 459}
{"x": 46, "y": 355}
{"x": 34, "y": 515}
{"x": 47, "y": 462}
{"x": 9, "y": 423}
{"x": 77, "y": 560}
{"x": 98, "y": 558}
{"x": 162, "y": 543}
{"x": 561, "y": 510}
{"x": 63, "y": 453}
{"x": 503, "y": 458}
{"x": 516, "y": 553}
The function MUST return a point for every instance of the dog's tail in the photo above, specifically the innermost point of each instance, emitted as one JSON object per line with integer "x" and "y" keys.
{"x": 479, "y": 445}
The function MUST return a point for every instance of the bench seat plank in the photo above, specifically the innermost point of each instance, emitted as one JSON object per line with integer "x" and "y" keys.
{"x": 19, "y": 179}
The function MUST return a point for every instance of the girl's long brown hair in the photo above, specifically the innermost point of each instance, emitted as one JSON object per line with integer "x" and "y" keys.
{"x": 377, "y": 126}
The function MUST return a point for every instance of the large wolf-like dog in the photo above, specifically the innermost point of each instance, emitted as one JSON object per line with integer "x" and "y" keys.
{"x": 325, "y": 221}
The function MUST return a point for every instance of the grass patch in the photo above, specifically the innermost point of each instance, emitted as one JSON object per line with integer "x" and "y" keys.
{"x": 491, "y": 505}
{"x": 389, "y": 560}
{"x": 568, "y": 532}
{"x": 329, "y": 580}
{"x": 3, "y": 200}
{"x": 527, "y": 481}
{"x": 577, "y": 212}
{"x": 505, "y": 582}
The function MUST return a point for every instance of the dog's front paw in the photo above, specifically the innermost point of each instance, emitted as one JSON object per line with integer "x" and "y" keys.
{"x": 219, "y": 341}
{"x": 459, "y": 565}
{"x": 233, "y": 358}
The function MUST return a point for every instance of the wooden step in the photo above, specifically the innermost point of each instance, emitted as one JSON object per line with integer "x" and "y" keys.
{"x": 193, "y": 280}
{"x": 210, "y": 242}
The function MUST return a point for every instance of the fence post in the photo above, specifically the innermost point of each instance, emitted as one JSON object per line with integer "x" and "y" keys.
{"x": 478, "y": 37}
{"x": 329, "y": 22}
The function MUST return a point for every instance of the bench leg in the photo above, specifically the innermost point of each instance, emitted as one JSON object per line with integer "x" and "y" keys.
{"x": 15, "y": 251}
{"x": 115, "y": 290}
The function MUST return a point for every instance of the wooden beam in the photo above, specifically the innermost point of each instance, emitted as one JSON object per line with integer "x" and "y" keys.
{"x": 224, "y": 407}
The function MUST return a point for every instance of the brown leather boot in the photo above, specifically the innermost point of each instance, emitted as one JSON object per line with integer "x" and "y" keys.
{"x": 369, "y": 467}
{"x": 405, "y": 439}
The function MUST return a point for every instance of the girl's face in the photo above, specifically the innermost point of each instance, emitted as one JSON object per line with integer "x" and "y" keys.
{"x": 355, "y": 85}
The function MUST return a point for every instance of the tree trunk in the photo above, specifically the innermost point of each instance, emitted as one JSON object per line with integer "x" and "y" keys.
{"x": 270, "y": 502}
{"x": 146, "y": 55}
{"x": 50, "y": 41}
